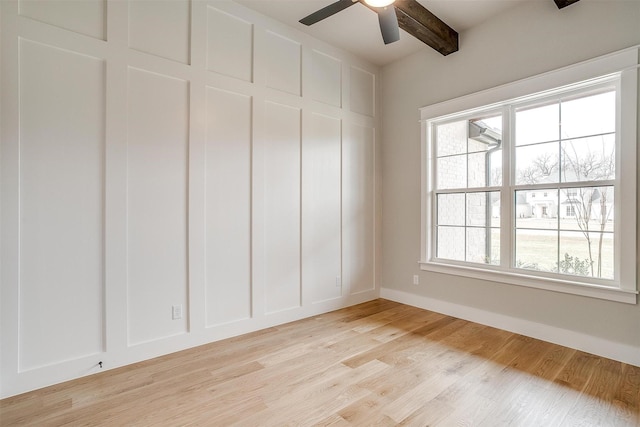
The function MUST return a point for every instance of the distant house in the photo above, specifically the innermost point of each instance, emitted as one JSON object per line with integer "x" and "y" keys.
{"x": 543, "y": 204}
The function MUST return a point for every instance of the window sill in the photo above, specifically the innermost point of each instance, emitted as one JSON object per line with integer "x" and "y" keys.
{"x": 563, "y": 286}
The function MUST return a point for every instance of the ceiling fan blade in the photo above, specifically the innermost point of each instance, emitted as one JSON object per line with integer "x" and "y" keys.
{"x": 388, "y": 24}
{"x": 327, "y": 11}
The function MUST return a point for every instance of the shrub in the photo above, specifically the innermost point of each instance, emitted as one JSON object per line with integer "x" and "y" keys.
{"x": 574, "y": 265}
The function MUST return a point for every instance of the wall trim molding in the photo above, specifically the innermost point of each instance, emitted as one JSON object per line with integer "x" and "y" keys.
{"x": 204, "y": 162}
{"x": 576, "y": 340}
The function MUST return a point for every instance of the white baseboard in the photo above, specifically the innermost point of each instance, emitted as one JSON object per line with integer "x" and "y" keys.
{"x": 579, "y": 341}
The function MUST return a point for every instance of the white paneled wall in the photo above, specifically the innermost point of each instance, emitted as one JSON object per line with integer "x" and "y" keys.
{"x": 87, "y": 17}
{"x": 157, "y": 147}
{"x": 362, "y": 92}
{"x": 61, "y": 204}
{"x": 284, "y": 63}
{"x": 174, "y": 173}
{"x": 281, "y": 190}
{"x": 326, "y": 79}
{"x": 229, "y": 45}
{"x": 228, "y": 207}
{"x": 321, "y": 201}
{"x": 358, "y": 198}
{"x": 161, "y": 27}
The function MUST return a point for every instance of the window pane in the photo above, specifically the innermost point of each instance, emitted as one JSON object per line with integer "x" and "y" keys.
{"x": 477, "y": 249}
{"x": 591, "y": 115}
{"x": 587, "y": 208}
{"x": 465, "y": 152}
{"x": 450, "y": 243}
{"x": 494, "y": 256}
{"x": 537, "y": 209}
{"x": 452, "y": 172}
{"x": 495, "y": 168}
{"x": 495, "y": 209}
{"x": 485, "y": 134}
{"x": 483, "y": 245}
{"x": 537, "y": 250}
{"x": 451, "y": 138}
{"x": 480, "y": 208}
{"x": 539, "y": 124}
{"x": 537, "y": 164}
{"x": 478, "y": 165}
{"x": 589, "y": 159}
{"x": 451, "y": 209}
{"x": 523, "y": 209}
{"x": 586, "y": 254}
{"x": 485, "y": 139}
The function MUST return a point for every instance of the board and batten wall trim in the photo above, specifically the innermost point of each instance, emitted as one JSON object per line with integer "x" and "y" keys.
{"x": 172, "y": 174}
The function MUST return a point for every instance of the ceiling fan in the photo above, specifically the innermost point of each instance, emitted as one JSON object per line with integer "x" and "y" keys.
{"x": 409, "y": 15}
{"x": 384, "y": 8}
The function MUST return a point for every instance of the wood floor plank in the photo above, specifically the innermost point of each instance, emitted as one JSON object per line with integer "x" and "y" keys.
{"x": 595, "y": 403}
{"x": 414, "y": 398}
{"x": 404, "y": 342}
{"x": 334, "y": 420}
{"x": 627, "y": 397}
{"x": 314, "y": 400}
{"x": 380, "y": 363}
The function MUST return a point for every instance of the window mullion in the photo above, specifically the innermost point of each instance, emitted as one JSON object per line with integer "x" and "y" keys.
{"x": 431, "y": 202}
{"x": 506, "y": 194}
{"x": 560, "y": 180}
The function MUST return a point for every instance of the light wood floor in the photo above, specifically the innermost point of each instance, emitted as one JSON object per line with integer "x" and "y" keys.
{"x": 375, "y": 364}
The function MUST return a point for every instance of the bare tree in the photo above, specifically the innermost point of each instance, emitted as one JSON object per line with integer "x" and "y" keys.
{"x": 542, "y": 167}
{"x": 591, "y": 205}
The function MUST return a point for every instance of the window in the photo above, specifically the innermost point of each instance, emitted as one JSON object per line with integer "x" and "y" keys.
{"x": 528, "y": 191}
{"x": 566, "y": 143}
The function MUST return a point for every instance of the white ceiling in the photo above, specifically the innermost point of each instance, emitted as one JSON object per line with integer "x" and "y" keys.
{"x": 356, "y": 30}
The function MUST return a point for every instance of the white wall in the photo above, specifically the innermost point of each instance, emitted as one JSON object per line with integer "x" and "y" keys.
{"x": 170, "y": 153}
{"x": 524, "y": 41}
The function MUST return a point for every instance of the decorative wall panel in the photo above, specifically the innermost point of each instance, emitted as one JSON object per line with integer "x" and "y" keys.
{"x": 86, "y": 17}
{"x": 161, "y": 28}
{"x": 228, "y": 206}
{"x": 362, "y": 92}
{"x": 282, "y": 207}
{"x": 62, "y": 131}
{"x": 158, "y": 117}
{"x": 229, "y": 45}
{"x": 326, "y": 79}
{"x": 321, "y": 234}
{"x": 358, "y": 201}
{"x": 283, "y": 63}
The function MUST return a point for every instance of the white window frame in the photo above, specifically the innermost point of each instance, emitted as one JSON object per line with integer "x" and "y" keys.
{"x": 622, "y": 66}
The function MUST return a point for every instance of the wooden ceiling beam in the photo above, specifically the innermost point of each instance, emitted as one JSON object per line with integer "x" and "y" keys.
{"x": 418, "y": 21}
{"x": 564, "y": 3}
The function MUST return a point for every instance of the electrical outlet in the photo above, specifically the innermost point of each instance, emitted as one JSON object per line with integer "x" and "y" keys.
{"x": 338, "y": 282}
{"x": 416, "y": 279}
{"x": 176, "y": 312}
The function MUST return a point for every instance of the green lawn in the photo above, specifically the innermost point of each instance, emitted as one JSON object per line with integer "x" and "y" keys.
{"x": 544, "y": 251}
{"x": 538, "y": 245}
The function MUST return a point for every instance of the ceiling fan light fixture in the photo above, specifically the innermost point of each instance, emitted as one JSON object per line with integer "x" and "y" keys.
{"x": 379, "y": 3}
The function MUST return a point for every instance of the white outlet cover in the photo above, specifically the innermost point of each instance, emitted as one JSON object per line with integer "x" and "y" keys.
{"x": 176, "y": 312}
